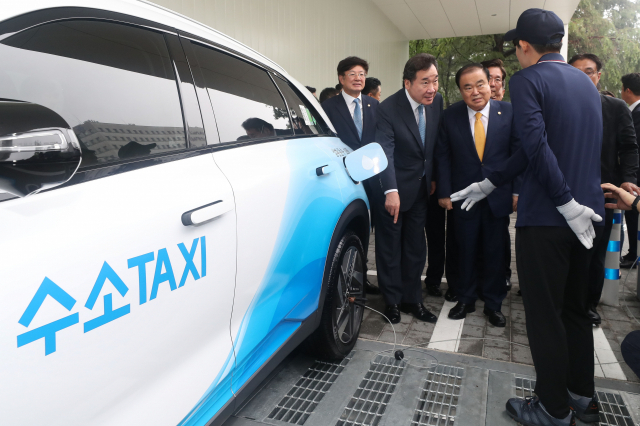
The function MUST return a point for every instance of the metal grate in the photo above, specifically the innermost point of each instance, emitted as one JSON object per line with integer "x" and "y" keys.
{"x": 304, "y": 396}
{"x": 438, "y": 400}
{"x": 613, "y": 410}
{"x": 525, "y": 386}
{"x": 369, "y": 402}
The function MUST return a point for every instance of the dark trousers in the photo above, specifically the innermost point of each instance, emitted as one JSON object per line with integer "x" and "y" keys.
{"x": 441, "y": 245}
{"x": 596, "y": 267}
{"x": 630, "y": 348}
{"x": 401, "y": 249}
{"x": 479, "y": 231}
{"x": 553, "y": 269}
{"x": 631, "y": 217}
{"x": 507, "y": 259}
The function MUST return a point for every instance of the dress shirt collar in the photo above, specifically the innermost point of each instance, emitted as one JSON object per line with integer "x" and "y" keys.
{"x": 484, "y": 111}
{"x": 634, "y": 105}
{"x": 349, "y": 99}
{"x": 414, "y": 104}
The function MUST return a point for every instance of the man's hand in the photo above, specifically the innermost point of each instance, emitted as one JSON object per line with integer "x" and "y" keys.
{"x": 514, "y": 203}
{"x": 580, "y": 219}
{"x": 622, "y": 197}
{"x": 392, "y": 204}
{"x": 473, "y": 193}
{"x": 631, "y": 188}
{"x": 433, "y": 188}
{"x": 445, "y": 203}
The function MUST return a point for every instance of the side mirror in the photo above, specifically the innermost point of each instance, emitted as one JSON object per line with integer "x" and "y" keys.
{"x": 38, "y": 150}
{"x": 366, "y": 162}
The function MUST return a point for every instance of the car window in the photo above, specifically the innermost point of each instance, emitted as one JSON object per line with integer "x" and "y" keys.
{"x": 245, "y": 101}
{"x": 306, "y": 119}
{"x": 113, "y": 84}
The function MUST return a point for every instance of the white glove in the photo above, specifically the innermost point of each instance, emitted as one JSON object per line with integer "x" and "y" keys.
{"x": 580, "y": 219}
{"x": 473, "y": 193}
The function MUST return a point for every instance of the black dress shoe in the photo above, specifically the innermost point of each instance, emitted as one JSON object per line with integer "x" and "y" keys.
{"x": 509, "y": 284}
{"x": 519, "y": 293}
{"x": 393, "y": 313}
{"x": 370, "y": 288}
{"x": 461, "y": 310}
{"x": 419, "y": 311}
{"x": 627, "y": 261}
{"x": 450, "y": 296}
{"x": 434, "y": 290}
{"x": 495, "y": 317}
{"x": 593, "y": 315}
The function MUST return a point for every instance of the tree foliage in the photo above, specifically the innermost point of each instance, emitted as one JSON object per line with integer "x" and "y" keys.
{"x": 454, "y": 52}
{"x": 607, "y": 28}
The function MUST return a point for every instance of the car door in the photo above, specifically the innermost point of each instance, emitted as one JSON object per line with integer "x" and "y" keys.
{"x": 116, "y": 289}
{"x": 288, "y": 202}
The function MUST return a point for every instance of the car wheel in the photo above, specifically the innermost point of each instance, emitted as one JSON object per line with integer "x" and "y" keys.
{"x": 342, "y": 310}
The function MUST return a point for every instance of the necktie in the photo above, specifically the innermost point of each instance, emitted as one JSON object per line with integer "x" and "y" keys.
{"x": 479, "y": 135}
{"x": 422, "y": 124}
{"x": 357, "y": 118}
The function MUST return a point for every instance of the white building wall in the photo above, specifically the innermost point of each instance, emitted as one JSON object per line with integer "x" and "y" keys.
{"x": 308, "y": 37}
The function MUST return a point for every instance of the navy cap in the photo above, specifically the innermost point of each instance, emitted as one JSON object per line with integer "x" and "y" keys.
{"x": 537, "y": 26}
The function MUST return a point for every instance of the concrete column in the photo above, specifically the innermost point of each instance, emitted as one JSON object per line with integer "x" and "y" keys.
{"x": 565, "y": 43}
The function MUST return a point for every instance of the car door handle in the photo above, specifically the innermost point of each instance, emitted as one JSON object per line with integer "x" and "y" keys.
{"x": 205, "y": 213}
{"x": 324, "y": 170}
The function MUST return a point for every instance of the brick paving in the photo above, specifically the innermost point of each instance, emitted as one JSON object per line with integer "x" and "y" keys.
{"x": 503, "y": 344}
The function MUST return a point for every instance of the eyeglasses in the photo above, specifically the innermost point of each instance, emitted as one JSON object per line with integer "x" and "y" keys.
{"x": 590, "y": 72}
{"x": 353, "y": 75}
{"x": 497, "y": 80}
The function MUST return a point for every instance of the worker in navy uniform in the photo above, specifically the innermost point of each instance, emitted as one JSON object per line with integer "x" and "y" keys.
{"x": 407, "y": 131}
{"x": 631, "y": 95}
{"x": 619, "y": 166}
{"x": 354, "y": 116}
{"x": 558, "y": 116}
{"x": 497, "y": 81}
{"x": 475, "y": 138}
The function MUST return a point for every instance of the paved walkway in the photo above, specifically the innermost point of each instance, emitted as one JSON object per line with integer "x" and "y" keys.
{"x": 475, "y": 336}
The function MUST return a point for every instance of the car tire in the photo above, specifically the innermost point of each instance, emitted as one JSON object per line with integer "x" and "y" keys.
{"x": 343, "y": 305}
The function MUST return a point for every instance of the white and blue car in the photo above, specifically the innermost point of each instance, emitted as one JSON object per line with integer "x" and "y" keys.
{"x": 175, "y": 217}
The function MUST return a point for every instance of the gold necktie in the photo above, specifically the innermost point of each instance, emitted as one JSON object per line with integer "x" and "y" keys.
{"x": 479, "y": 135}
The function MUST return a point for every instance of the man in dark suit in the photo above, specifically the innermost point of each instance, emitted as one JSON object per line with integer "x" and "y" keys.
{"x": 353, "y": 114}
{"x": 475, "y": 138}
{"x": 631, "y": 95}
{"x": 354, "y": 117}
{"x": 618, "y": 165}
{"x": 407, "y": 131}
{"x": 557, "y": 113}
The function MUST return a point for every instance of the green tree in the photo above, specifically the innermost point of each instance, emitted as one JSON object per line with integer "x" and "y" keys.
{"x": 609, "y": 29}
{"x": 454, "y": 52}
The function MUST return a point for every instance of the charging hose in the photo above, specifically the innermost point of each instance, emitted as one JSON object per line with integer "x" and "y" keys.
{"x": 399, "y": 354}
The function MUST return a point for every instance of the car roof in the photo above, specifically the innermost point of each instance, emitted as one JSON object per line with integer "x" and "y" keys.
{"x": 161, "y": 15}
{"x": 145, "y": 10}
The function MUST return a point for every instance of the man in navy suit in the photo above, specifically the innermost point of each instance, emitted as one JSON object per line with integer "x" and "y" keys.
{"x": 354, "y": 116}
{"x": 475, "y": 138}
{"x": 407, "y": 131}
{"x": 631, "y": 95}
{"x": 557, "y": 113}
